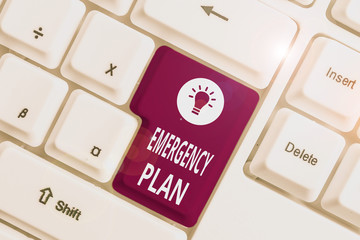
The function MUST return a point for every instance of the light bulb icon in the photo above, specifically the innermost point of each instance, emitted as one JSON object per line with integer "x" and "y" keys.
{"x": 202, "y": 98}
{"x": 200, "y": 101}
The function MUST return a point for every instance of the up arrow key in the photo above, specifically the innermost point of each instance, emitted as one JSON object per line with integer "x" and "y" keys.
{"x": 209, "y": 10}
{"x": 46, "y": 194}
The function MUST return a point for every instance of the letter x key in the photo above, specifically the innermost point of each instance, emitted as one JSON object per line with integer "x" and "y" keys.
{"x": 111, "y": 69}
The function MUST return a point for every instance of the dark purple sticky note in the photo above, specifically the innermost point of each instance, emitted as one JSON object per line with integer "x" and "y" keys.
{"x": 192, "y": 118}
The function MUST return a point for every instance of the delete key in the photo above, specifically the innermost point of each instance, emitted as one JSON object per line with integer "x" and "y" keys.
{"x": 192, "y": 118}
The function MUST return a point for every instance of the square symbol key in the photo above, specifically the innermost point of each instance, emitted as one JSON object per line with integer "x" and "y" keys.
{"x": 91, "y": 135}
{"x": 192, "y": 118}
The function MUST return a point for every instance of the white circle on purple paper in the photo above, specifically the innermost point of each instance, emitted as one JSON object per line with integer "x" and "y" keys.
{"x": 192, "y": 101}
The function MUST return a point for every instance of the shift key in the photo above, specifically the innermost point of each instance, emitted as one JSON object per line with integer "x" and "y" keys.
{"x": 51, "y": 203}
{"x": 192, "y": 118}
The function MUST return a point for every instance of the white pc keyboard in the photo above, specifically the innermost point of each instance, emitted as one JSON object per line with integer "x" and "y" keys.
{"x": 179, "y": 119}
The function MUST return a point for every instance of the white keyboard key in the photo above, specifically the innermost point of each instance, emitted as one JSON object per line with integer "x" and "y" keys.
{"x": 40, "y": 29}
{"x": 7, "y": 233}
{"x": 91, "y": 136}
{"x": 328, "y": 84}
{"x": 304, "y": 2}
{"x": 342, "y": 198}
{"x": 119, "y": 7}
{"x": 51, "y": 203}
{"x": 220, "y": 33}
{"x": 297, "y": 155}
{"x": 347, "y": 12}
{"x": 29, "y": 99}
{"x": 113, "y": 69}
{"x": 244, "y": 209}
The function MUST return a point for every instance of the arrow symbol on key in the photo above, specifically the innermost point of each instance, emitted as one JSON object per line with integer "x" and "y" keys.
{"x": 46, "y": 194}
{"x": 209, "y": 10}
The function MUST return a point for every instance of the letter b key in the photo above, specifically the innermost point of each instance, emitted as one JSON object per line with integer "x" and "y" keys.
{"x": 23, "y": 113}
